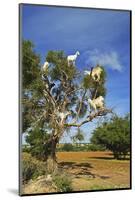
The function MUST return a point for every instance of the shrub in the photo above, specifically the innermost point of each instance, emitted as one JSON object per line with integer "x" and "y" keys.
{"x": 26, "y": 149}
{"x": 62, "y": 182}
{"x": 94, "y": 147}
{"x": 67, "y": 147}
{"x": 31, "y": 167}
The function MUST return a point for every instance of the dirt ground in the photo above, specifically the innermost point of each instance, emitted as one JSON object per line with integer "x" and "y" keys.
{"x": 95, "y": 170}
{"x": 88, "y": 171}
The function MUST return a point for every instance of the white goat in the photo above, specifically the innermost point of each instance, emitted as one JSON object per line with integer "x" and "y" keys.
{"x": 72, "y": 58}
{"x": 45, "y": 67}
{"x": 95, "y": 73}
{"x": 97, "y": 103}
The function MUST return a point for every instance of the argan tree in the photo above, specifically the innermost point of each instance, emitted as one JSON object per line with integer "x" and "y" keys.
{"x": 114, "y": 135}
{"x": 56, "y": 100}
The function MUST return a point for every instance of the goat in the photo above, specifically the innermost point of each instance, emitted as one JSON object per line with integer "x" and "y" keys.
{"x": 96, "y": 103}
{"x": 95, "y": 73}
{"x": 45, "y": 67}
{"x": 72, "y": 58}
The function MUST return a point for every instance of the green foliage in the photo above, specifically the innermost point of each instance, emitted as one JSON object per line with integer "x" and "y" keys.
{"x": 30, "y": 63}
{"x": 114, "y": 135}
{"x": 30, "y": 73}
{"x": 26, "y": 119}
{"x": 55, "y": 56}
{"x": 63, "y": 182}
{"x": 67, "y": 147}
{"x": 26, "y": 148}
{"x": 80, "y": 147}
{"x": 36, "y": 138}
{"x": 31, "y": 168}
{"x": 95, "y": 147}
{"x": 37, "y": 88}
{"x": 60, "y": 66}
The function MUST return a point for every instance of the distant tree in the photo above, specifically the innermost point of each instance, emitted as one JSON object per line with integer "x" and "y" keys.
{"x": 56, "y": 100}
{"x": 114, "y": 136}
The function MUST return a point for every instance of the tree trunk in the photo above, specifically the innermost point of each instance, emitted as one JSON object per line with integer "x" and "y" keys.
{"x": 51, "y": 160}
{"x": 117, "y": 155}
{"x": 51, "y": 165}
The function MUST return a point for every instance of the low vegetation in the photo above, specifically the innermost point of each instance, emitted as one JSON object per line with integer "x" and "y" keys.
{"x": 31, "y": 167}
{"x": 79, "y": 147}
{"x": 63, "y": 182}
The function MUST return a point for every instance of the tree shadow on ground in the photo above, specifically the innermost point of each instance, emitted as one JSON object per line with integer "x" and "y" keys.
{"x": 74, "y": 165}
{"x": 108, "y": 158}
{"x": 79, "y": 170}
{"x": 101, "y": 158}
{"x": 104, "y": 177}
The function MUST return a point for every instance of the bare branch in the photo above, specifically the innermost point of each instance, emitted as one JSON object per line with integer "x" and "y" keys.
{"x": 95, "y": 93}
{"x": 90, "y": 117}
{"x": 50, "y": 96}
{"x": 74, "y": 90}
{"x": 80, "y": 106}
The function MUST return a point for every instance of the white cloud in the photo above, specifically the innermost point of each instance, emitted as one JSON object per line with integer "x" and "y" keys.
{"x": 107, "y": 59}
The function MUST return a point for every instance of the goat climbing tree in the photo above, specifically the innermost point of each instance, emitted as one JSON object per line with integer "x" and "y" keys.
{"x": 56, "y": 100}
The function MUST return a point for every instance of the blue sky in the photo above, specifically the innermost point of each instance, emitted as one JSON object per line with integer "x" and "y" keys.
{"x": 101, "y": 36}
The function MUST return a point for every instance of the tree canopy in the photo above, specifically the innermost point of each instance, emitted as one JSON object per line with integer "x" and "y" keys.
{"x": 114, "y": 135}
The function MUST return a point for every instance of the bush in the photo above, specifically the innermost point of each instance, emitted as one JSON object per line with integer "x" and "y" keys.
{"x": 26, "y": 149}
{"x": 62, "y": 182}
{"x": 31, "y": 167}
{"x": 81, "y": 147}
{"x": 67, "y": 147}
{"x": 94, "y": 147}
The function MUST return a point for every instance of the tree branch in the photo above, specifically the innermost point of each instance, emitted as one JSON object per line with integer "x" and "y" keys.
{"x": 50, "y": 96}
{"x": 74, "y": 91}
{"x": 80, "y": 106}
{"x": 90, "y": 118}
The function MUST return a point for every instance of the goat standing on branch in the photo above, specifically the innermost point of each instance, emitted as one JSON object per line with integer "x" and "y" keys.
{"x": 72, "y": 58}
{"x": 45, "y": 67}
{"x": 95, "y": 73}
{"x": 96, "y": 103}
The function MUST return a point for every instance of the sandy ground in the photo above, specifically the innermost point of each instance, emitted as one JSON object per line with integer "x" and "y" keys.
{"x": 88, "y": 171}
{"x": 95, "y": 170}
